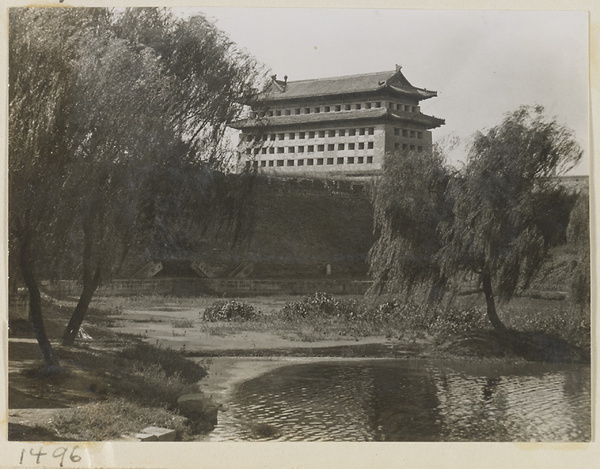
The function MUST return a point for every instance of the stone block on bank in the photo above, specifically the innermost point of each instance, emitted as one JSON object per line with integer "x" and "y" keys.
{"x": 198, "y": 407}
{"x": 156, "y": 434}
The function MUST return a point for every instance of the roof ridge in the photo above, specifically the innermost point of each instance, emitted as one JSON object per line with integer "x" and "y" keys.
{"x": 391, "y": 72}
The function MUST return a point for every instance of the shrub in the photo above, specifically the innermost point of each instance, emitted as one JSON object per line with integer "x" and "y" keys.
{"x": 321, "y": 305}
{"x": 230, "y": 311}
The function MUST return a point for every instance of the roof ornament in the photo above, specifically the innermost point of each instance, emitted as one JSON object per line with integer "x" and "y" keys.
{"x": 274, "y": 77}
{"x": 285, "y": 77}
{"x": 398, "y": 67}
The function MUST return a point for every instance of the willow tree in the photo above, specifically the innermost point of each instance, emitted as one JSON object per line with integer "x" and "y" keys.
{"x": 497, "y": 233}
{"x": 100, "y": 101}
{"x": 487, "y": 220}
{"x": 409, "y": 207}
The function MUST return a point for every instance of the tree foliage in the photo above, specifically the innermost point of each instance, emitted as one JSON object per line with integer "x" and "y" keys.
{"x": 410, "y": 206}
{"x": 492, "y": 224}
{"x": 101, "y": 102}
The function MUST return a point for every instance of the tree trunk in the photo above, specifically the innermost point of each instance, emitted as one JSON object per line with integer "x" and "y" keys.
{"x": 91, "y": 281}
{"x": 35, "y": 302}
{"x": 437, "y": 291}
{"x": 492, "y": 315}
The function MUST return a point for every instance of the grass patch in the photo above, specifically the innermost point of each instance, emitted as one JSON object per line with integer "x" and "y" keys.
{"x": 98, "y": 421}
{"x": 182, "y": 323}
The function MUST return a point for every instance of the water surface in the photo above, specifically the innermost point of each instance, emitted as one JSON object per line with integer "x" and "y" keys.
{"x": 411, "y": 400}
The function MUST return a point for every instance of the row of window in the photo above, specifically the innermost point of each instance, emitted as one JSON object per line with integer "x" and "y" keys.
{"x": 336, "y": 108}
{"x": 407, "y": 147}
{"x": 408, "y": 133}
{"x": 312, "y": 134}
{"x": 315, "y": 161}
{"x": 311, "y": 148}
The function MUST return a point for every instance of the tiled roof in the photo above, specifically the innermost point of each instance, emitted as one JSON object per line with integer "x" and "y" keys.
{"x": 344, "y": 116}
{"x": 395, "y": 80}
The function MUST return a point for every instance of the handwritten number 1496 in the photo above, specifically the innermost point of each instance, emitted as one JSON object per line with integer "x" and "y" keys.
{"x": 58, "y": 453}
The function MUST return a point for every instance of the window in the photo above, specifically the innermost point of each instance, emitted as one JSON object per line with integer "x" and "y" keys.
{"x": 399, "y": 107}
{"x": 331, "y": 133}
{"x": 338, "y": 108}
{"x": 310, "y": 162}
{"x": 300, "y": 162}
{"x": 407, "y": 108}
{"x": 331, "y": 147}
{"x": 279, "y": 162}
{"x": 292, "y": 135}
{"x": 371, "y": 130}
{"x": 319, "y": 161}
{"x": 361, "y": 146}
{"x": 419, "y": 134}
{"x": 404, "y": 146}
{"x": 329, "y": 160}
{"x": 412, "y": 134}
{"x": 317, "y": 110}
{"x": 340, "y": 161}
{"x": 357, "y": 106}
{"x": 302, "y": 135}
{"x": 300, "y": 149}
{"x": 255, "y": 164}
{"x": 396, "y": 146}
{"x": 256, "y": 151}
{"x": 291, "y": 149}
{"x": 297, "y": 111}
{"x": 271, "y": 150}
{"x": 278, "y": 112}
{"x": 311, "y": 135}
{"x": 368, "y": 106}
{"x": 420, "y": 149}
{"x": 347, "y": 107}
{"x": 378, "y": 104}
{"x": 306, "y": 110}
{"x": 288, "y": 112}
{"x": 361, "y": 131}
{"x": 341, "y": 132}
{"x": 350, "y": 160}
{"x": 321, "y": 148}
{"x": 270, "y": 113}
{"x": 351, "y": 146}
{"x": 412, "y": 147}
{"x": 272, "y": 137}
{"x": 341, "y": 146}
{"x": 370, "y": 145}
{"x": 405, "y": 133}
{"x": 352, "y": 132}
{"x": 264, "y": 151}
{"x": 280, "y": 150}
{"x": 290, "y": 162}
{"x": 396, "y": 131}
{"x": 414, "y": 109}
{"x": 327, "y": 109}
{"x": 361, "y": 159}
{"x": 263, "y": 163}
{"x": 311, "y": 148}
{"x": 369, "y": 159}
{"x": 248, "y": 151}
{"x": 321, "y": 134}
{"x": 271, "y": 162}
{"x": 280, "y": 136}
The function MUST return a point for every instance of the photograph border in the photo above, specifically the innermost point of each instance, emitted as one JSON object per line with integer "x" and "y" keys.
{"x": 315, "y": 455}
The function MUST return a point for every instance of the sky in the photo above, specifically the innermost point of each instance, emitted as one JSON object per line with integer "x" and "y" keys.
{"x": 483, "y": 64}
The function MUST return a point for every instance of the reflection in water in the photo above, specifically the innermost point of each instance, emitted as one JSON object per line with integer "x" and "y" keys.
{"x": 411, "y": 400}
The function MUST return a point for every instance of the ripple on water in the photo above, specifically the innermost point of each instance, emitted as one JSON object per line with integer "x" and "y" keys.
{"x": 400, "y": 400}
